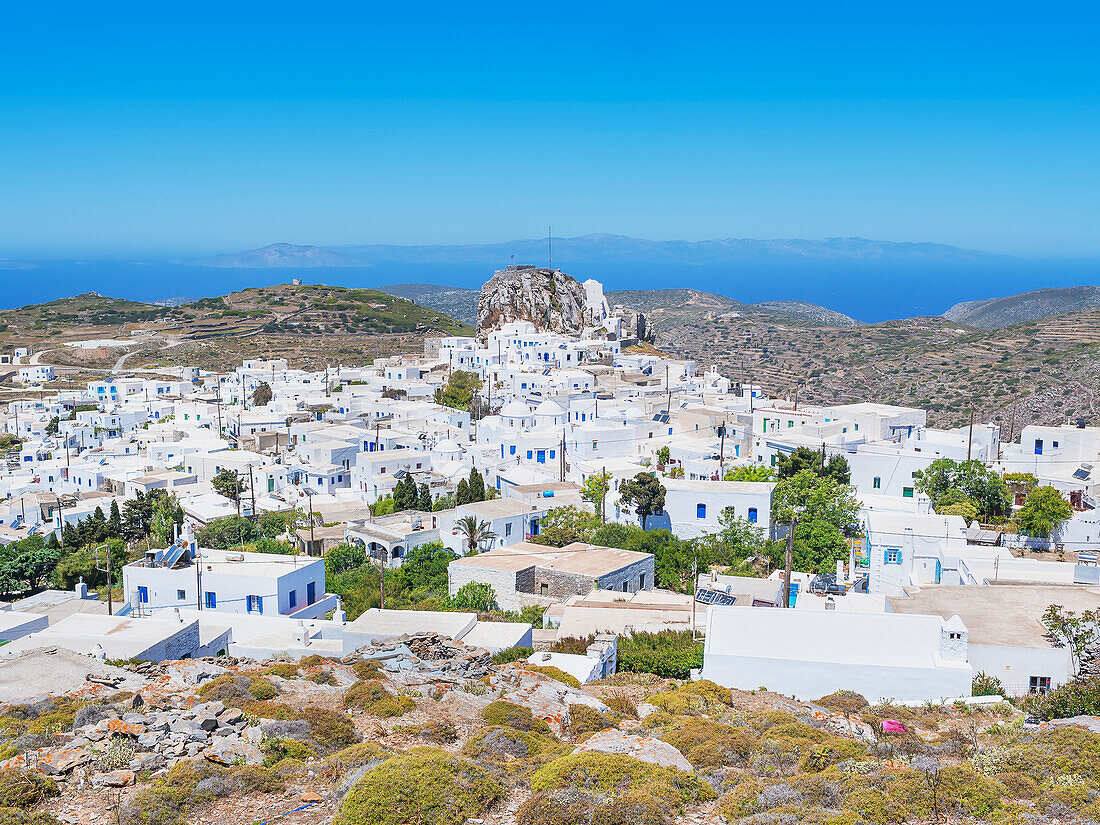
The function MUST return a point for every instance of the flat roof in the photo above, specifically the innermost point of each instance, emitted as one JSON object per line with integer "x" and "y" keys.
{"x": 497, "y": 508}
{"x": 998, "y": 614}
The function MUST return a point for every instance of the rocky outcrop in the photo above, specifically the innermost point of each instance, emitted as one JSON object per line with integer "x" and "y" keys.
{"x": 549, "y": 299}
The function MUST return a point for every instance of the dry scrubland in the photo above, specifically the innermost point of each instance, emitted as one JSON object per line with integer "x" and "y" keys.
{"x": 357, "y": 745}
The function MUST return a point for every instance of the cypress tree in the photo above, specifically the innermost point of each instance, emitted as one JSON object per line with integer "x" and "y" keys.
{"x": 477, "y": 486}
{"x": 424, "y": 499}
{"x": 114, "y": 521}
{"x": 462, "y": 495}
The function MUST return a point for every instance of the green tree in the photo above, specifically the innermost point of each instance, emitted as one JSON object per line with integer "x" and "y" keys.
{"x": 227, "y": 532}
{"x": 230, "y": 484}
{"x": 261, "y": 396}
{"x": 404, "y": 494}
{"x": 1043, "y": 513}
{"x": 51, "y": 428}
{"x": 462, "y": 494}
{"x": 459, "y": 391}
{"x": 595, "y": 490}
{"x": 644, "y": 493}
{"x": 167, "y": 516}
{"x": 423, "y": 572}
{"x": 475, "y": 531}
{"x": 114, "y": 521}
{"x": 565, "y": 525}
{"x": 827, "y": 512}
{"x": 749, "y": 472}
{"x": 945, "y": 477}
{"x": 424, "y": 499}
{"x": 803, "y": 458}
{"x": 1076, "y": 631}
{"x": 476, "y": 486}
{"x": 342, "y": 558}
{"x": 663, "y": 456}
{"x": 476, "y": 596}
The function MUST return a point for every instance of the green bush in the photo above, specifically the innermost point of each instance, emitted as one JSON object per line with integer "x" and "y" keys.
{"x": 844, "y": 701}
{"x": 707, "y": 744}
{"x": 373, "y": 698}
{"x": 22, "y": 790}
{"x": 262, "y": 689}
{"x": 509, "y": 715}
{"x": 276, "y": 750}
{"x": 986, "y": 685}
{"x": 1080, "y": 697}
{"x": 554, "y": 673}
{"x": 511, "y": 654}
{"x": 426, "y": 786}
{"x": 622, "y": 705}
{"x": 669, "y": 654}
{"x": 330, "y": 729}
{"x": 583, "y": 719}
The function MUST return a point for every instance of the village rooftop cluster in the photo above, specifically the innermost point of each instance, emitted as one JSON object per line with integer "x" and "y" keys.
{"x": 916, "y": 606}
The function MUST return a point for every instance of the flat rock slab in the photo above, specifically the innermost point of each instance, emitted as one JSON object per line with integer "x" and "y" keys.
{"x": 642, "y": 748}
{"x": 232, "y": 752}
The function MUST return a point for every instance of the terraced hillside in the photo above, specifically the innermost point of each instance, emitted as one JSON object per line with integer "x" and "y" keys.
{"x": 310, "y": 325}
{"x": 1034, "y": 372}
{"x": 993, "y": 313}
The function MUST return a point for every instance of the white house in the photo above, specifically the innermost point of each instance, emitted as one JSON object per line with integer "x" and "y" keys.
{"x": 809, "y": 654}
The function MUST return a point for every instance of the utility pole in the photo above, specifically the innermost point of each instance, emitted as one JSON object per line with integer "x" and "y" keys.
{"x": 381, "y": 577}
{"x": 1012, "y": 426}
{"x": 722, "y": 451}
{"x": 218, "y": 401}
{"x": 668, "y": 386}
{"x": 970, "y": 436}
{"x": 237, "y": 491}
{"x": 788, "y": 563}
{"x": 561, "y": 458}
{"x": 606, "y": 484}
{"x": 252, "y": 487}
{"x": 110, "y": 584}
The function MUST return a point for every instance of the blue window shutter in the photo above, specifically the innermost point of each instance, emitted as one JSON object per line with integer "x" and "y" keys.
{"x": 886, "y": 557}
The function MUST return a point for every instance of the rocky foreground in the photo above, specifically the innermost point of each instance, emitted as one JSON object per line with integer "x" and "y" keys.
{"x": 425, "y": 730}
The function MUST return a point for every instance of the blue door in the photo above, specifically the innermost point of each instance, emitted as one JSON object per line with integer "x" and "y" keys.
{"x": 143, "y": 595}
{"x": 541, "y": 457}
{"x": 1038, "y": 446}
{"x": 311, "y": 592}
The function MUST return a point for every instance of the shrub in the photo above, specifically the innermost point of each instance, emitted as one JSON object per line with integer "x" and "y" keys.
{"x": 583, "y": 719}
{"x": 15, "y": 816}
{"x": 441, "y": 733}
{"x": 554, "y": 673}
{"x": 669, "y": 654}
{"x": 709, "y": 691}
{"x": 511, "y": 654}
{"x": 507, "y": 714}
{"x": 502, "y": 745}
{"x": 427, "y": 786}
{"x": 226, "y": 688}
{"x": 262, "y": 689}
{"x": 844, "y": 701}
{"x": 1080, "y": 697}
{"x": 707, "y": 744}
{"x": 330, "y": 729}
{"x": 820, "y": 757}
{"x": 282, "y": 670}
{"x": 985, "y": 685}
{"x": 21, "y": 790}
{"x": 371, "y": 697}
{"x": 323, "y": 677}
{"x": 622, "y": 705}
{"x": 612, "y": 787}
{"x": 366, "y": 669}
{"x": 678, "y": 703}
{"x": 276, "y": 750}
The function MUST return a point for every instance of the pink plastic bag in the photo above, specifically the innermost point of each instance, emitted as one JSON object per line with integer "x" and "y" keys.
{"x": 892, "y": 726}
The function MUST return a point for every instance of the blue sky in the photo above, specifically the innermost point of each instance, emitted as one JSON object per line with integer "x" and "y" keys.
{"x": 143, "y": 129}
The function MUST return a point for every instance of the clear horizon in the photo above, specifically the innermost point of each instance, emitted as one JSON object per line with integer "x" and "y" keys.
{"x": 134, "y": 130}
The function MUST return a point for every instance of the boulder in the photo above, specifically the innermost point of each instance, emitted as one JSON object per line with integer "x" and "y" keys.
{"x": 642, "y": 748}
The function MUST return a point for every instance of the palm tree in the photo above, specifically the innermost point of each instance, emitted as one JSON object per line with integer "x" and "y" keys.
{"x": 475, "y": 531}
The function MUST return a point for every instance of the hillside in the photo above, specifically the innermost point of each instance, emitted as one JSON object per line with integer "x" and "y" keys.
{"x": 456, "y": 302}
{"x": 671, "y": 304}
{"x": 310, "y": 325}
{"x": 1031, "y": 372}
{"x": 993, "y": 313}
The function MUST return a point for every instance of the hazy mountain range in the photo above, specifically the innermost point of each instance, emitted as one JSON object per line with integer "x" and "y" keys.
{"x": 599, "y": 248}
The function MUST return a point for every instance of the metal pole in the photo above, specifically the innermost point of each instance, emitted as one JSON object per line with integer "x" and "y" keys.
{"x": 970, "y": 436}
{"x": 110, "y": 583}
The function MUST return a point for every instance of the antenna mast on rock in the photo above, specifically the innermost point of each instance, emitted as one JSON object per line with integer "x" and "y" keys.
{"x": 550, "y": 248}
